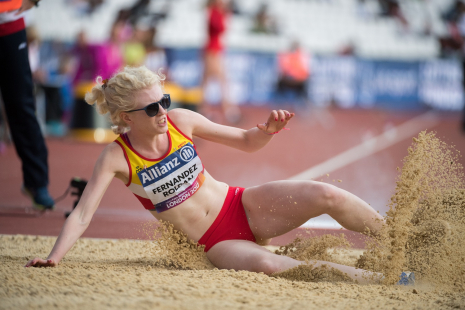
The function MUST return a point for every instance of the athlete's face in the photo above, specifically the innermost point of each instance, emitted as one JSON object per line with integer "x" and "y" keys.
{"x": 157, "y": 123}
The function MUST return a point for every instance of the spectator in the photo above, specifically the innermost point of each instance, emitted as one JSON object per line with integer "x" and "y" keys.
{"x": 234, "y": 7}
{"x": 349, "y": 49}
{"x": 138, "y": 10}
{"x": 452, "y": 43}
{"x": 155, "y": 56}
{"x": 50, "y": 71}
{"x": 294, "y": 71}
{"x": 85, "y": 7}
{"x": 454, "y": 12}
{"x": 365, "y": 10}
{"x": 113, "y": 55}
{"x": 94, "y": 59}
{"x": 391, "y": 8}
{"x": 264, "y": 23}
{"x": 133, "y": 50}
{"x": 18, "y": 97}
{"x": 85, "y": 56}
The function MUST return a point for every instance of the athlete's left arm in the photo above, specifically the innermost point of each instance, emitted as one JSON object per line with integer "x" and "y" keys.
{"x": 194, "y": 124}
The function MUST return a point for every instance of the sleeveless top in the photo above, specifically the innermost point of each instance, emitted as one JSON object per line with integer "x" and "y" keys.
{"x": 216, "y": 28}
{"x": 163, "y": 183}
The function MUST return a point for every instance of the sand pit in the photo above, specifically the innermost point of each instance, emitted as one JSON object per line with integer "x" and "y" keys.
{"x": 425, "y": 233}
{"x": 110, "y": 274}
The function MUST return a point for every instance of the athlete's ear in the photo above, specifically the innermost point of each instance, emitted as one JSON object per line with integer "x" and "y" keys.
{"x": 125, "y": 117}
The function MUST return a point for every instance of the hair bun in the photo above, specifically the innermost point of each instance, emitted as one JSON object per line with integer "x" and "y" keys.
{"x": 97, "y": 96}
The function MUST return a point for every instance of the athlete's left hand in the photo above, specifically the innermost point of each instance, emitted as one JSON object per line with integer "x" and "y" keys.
{"x": 276, "y": 121}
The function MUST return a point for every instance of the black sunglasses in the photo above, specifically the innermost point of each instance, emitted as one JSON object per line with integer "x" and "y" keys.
{"x": 153, "y": 108}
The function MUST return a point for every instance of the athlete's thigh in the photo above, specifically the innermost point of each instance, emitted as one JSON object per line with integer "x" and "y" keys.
{"x": 216, "y": 65}
{"x": 245, "y": 255}
{"x": 208, "y": 69}
{"x": 278, "y": 207}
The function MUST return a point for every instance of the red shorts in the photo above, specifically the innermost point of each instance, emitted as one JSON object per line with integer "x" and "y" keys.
{"x": 231, "y": 223}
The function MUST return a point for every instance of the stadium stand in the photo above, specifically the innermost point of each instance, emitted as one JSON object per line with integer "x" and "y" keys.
{"x": 323, "y": 26}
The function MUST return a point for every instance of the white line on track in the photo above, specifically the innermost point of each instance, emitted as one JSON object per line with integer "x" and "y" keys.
{"x": 369, "y": 147}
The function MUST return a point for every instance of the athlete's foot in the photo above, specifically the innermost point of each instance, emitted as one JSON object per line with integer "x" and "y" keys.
{"x": 407, "y": 278}
{"x": 40, "y": 198}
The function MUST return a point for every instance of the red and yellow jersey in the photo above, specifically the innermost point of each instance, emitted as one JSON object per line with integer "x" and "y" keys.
{"x": 163, "y": 183}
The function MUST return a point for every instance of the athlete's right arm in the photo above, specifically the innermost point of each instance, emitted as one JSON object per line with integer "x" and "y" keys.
{"x": 106, "y": 167}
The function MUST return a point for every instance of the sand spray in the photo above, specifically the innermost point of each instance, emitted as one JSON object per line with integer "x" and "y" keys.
{"x": 173, "y": 249}
{"x": 424, "y": 230}
{"x": 425, "y": 224}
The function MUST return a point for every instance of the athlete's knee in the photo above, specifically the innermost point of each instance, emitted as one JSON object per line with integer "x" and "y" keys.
{"x": 267, "y": 265}
{"x": 332, "y": 197}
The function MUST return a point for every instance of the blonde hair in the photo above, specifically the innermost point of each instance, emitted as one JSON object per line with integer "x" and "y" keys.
{"x": 118, "y": 93}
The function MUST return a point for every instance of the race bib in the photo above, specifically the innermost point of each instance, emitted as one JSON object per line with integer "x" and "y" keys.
{"x": 174, "y": 179}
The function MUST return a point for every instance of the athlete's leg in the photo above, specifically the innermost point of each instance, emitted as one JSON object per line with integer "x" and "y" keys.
{"x": 218, "y": 63}
{"x": 208, "y": 69}
{"x": 246, "y": 255}
{"x": 210, "y": 73}
{"x": 278, "y": 207}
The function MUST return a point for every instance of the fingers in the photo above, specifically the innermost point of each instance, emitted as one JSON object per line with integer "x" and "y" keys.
{"x": 277, "y": 116}
{"x": 38, "y": 262}
{"x": 289, "y": 115}
{"x": 282, "y": 116}
{"x": 273, "y": 117}
{"x": 276, "y": 121}
{"x": 32, "y": 262}
{"x": 261, "y": 127}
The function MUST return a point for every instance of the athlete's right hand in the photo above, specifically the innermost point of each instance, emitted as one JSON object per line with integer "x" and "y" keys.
{"x": 38, "y": 262}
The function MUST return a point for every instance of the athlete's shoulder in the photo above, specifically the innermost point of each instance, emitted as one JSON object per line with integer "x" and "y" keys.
{"x": 188, "y": 117}
{"x": 183, "y": 120}
{"x": 112, "y": 149}
{"x": 180, "y": 115}
{"x": 112, "y": 156}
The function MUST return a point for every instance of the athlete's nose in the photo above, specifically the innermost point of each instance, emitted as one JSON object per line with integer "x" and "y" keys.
{"x": 161, "y": 110}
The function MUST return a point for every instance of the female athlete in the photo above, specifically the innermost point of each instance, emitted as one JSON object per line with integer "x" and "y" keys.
{"x": 213, "y": 56}
{"x": 157, "y": 160}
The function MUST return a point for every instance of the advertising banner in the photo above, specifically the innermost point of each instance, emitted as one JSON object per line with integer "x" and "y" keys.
{"x": 344, "y": 81}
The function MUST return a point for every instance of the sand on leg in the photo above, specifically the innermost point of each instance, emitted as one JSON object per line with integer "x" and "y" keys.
{"x": 276, "y": 208}
{"x": 247, "y": 255}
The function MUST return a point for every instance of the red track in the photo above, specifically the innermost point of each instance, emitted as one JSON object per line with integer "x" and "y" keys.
{"x": 308, "y": 143}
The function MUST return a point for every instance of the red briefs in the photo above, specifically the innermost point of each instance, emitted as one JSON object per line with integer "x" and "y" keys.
{"x": 231, "y": 223}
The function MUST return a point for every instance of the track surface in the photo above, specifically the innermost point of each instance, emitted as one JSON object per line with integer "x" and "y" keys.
{"x": 314, "y": 139}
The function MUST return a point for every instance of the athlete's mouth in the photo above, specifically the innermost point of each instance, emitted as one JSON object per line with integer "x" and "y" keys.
{"x": 162, "y": 121}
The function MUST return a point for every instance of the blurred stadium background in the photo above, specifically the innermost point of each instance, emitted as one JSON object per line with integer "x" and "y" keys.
{"x": 372, "y": 66}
